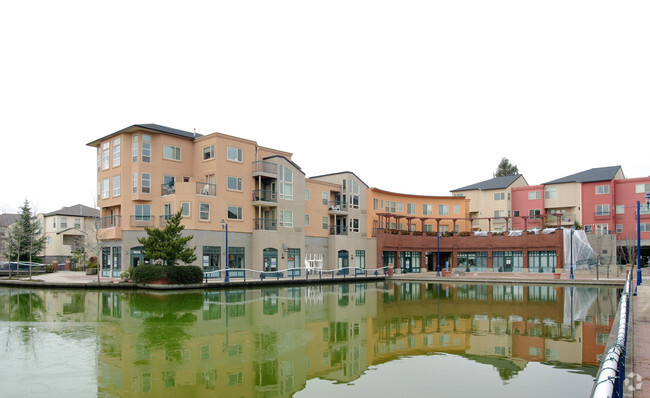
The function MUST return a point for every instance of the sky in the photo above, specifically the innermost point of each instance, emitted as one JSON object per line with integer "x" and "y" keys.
{"x": 418, "y": 97}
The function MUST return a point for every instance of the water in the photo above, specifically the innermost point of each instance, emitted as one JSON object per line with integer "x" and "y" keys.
{"x": 380, "y": 339}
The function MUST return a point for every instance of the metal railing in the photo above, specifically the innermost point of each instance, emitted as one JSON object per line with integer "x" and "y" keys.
{"x": 142, "y": 221}
{"x": 109, "y": 222}
{"x": 336, "y": 205}
{"x": 167, "y": 189}
{"x": 295, "y": 273}
{"x": 611, "y": 374}
{"x": 264, "y": 195}
{"x": 338, "y": 230}
{"x": 266, "y": 224}
{"x": 262, "y": 166}
{"x": 204, "y": 188}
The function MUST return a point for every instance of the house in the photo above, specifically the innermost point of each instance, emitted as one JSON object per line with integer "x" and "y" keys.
{"x": 69, "y": 232}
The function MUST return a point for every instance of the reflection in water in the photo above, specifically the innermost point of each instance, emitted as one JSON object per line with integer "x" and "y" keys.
{"x": 271, "y": 342}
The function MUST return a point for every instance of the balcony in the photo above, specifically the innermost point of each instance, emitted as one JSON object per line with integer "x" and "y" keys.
{"x": 167, "y": 189}
{"x": 263, "y": 197}
{"x": 142, "y": 221}
{"x": 109, "y": 222}
{"x": 338, "y": 230}
{"x": 164, "y": 219}
{"x": 337, "y": 207}
{"x": 266, "y": 224}
{"x": 206, "y": 189}
{"x": 265, "y": 169}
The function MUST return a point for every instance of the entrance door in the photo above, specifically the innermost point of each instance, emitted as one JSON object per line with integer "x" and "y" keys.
{"x": 137, "y": 256}
{"x": 270, "y": 259}
{"x": 344, "y": 261}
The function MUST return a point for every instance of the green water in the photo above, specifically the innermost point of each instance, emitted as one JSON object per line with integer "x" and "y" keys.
{"x": 356, "y": 340}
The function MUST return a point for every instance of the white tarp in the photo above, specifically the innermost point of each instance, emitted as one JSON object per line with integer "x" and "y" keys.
{"x": 582, "y": 251}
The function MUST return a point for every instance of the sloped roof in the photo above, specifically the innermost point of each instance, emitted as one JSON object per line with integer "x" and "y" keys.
{"x": 338, "y": 173}
{"x": 6, "y": 219}
{"x": 154, "y": 127}
{"x": 493, "y": 183}
{"x": 76, "y": 211}
{"x": 591, "y": 175}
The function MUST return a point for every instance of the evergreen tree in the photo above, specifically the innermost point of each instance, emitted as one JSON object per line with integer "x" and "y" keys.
{"x": 167, "y": 246}
{"x": 23, "y": 237}
{"x": 506, "y": 168}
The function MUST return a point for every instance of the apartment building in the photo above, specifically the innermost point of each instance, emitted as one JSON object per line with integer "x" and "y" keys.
{"x": 490, "y": 202}
{"x": 69, "y": 231}
{"x": 147, "y": 172}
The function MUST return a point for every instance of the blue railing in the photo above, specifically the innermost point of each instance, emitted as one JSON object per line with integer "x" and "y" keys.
{"x": 611, "y": 374}
{"x": 293, "y": 273}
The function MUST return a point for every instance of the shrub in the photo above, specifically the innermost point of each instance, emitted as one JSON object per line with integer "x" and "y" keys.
{"x": 48, "y": 268}
{"x": 465, "y": 233}
{"x": 184, "y": 274}
{"x": 148, "y": 272}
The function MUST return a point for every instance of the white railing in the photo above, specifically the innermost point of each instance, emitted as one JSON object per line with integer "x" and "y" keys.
{"x": 294, "y": 273}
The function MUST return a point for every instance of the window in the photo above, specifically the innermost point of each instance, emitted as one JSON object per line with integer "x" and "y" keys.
{"x": 210, "y": 257}
{"x": 172, "y": 152}
{"x": 443, "y": 210}
{"x": 400, "y": 207}
{"x": 499, "y": 213}
{"x": 49, "y": 241}
{"x": 392, "y": 207}
{"x": 53, "y": 222}
{"x": 550, "y": 192}
{"x": 204, "y": 211}
{"x": 307, "y": 194}
{"x": 534, "y": 212}
{"x": 116, "y": 185}
{"x": 410, "y": 208}
{"x": 185, "y": 209}
{"x": 360, "y": 258}
{"x": 77, "y": 223}
{"x": 99, "y": 159}
{"x": 619, "y": 228}
{"x": 116, "y": 152}
{"x": 602, "y": 229}
{"x": 146, "y": 183}
{"x": 515, "y": 213}
{"x": 500, "y": 196}
{"x": 354, "y": 194}
{"x": 456, "y": 209}
{"x": 427, "y": 210}
{"x": 64, "y": 222}
{"x": 146, "y": 148}
{"x": 235, "y": 213}
{"x": 306, "y": 220}
{"x": 234, "y": 183}
{"x": 375, "y": 204}
{"x": 134, "y": 183}
{"x": 588, "y": 228}
{"x": 325, "y": 222}
{"x": 642, "y": 188}
{"x": 286, "y": 183}
{"x": 620, "y": 209}
{"x": 602, "y": 189}
{"x": 326, "y": 198}
{"x": 354, "y": 225}
{"x": 142, "y": 212}
{"x": 602, "y": 210}
{"x": 645, "y": 227}
{"x": 286, "y": 218}
{"x": 105, "y": 155}
{"x": 534, "y": 195}
{"x": 105, "y": 188}
{"x": 134, "y": 149}
{"x": 168, "y": 210}
{"x": 234, "y": 154}
{"x": 208, "y": 152}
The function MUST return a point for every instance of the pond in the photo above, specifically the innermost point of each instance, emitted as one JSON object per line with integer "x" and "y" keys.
{"x": 382, "y": 339}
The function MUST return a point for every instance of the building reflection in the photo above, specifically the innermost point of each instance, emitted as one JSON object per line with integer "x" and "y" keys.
{"x": 269, "y": 342}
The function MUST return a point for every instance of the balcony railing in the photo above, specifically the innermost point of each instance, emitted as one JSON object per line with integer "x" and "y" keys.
{"x": 206, "y": 189}
{"x": 164, "y": 219}
{"x": 109, "y": 222}
{"x": 142, "y": 221}
{"x": 338, "y": 230}
{"x": 337, "y": 206}
{"x": 264, "y": 195}
{"x": 266, "y": 224}
{"x": 264, "y": 167}
{"x": 166, "y": 189}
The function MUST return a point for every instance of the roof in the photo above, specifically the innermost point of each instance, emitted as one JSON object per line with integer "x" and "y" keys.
{"x": 153, "y": 127}
{"x": 288, "y": 160}
{"x": 6, "y": 219}
{"x": 493, "y": 183}
{"x": 340, "y": 172}
{"x": 591, "y": 175}
{"x": 76, "y": 210}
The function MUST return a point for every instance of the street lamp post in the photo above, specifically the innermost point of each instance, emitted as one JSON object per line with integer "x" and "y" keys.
{"x": 638, "y": 237}
{"x": 572, "y": 230}
{"x": 224, "y": 225}
{"x": 438, "y": 262}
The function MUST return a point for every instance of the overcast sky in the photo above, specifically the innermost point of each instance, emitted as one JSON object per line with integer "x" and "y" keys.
{"x": 418, "y": 97}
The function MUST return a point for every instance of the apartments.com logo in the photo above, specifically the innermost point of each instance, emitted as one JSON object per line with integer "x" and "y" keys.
{"x": 633, "y": 382}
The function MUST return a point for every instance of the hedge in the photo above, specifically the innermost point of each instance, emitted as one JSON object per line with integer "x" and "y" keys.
{"x": 176, "y": 274}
